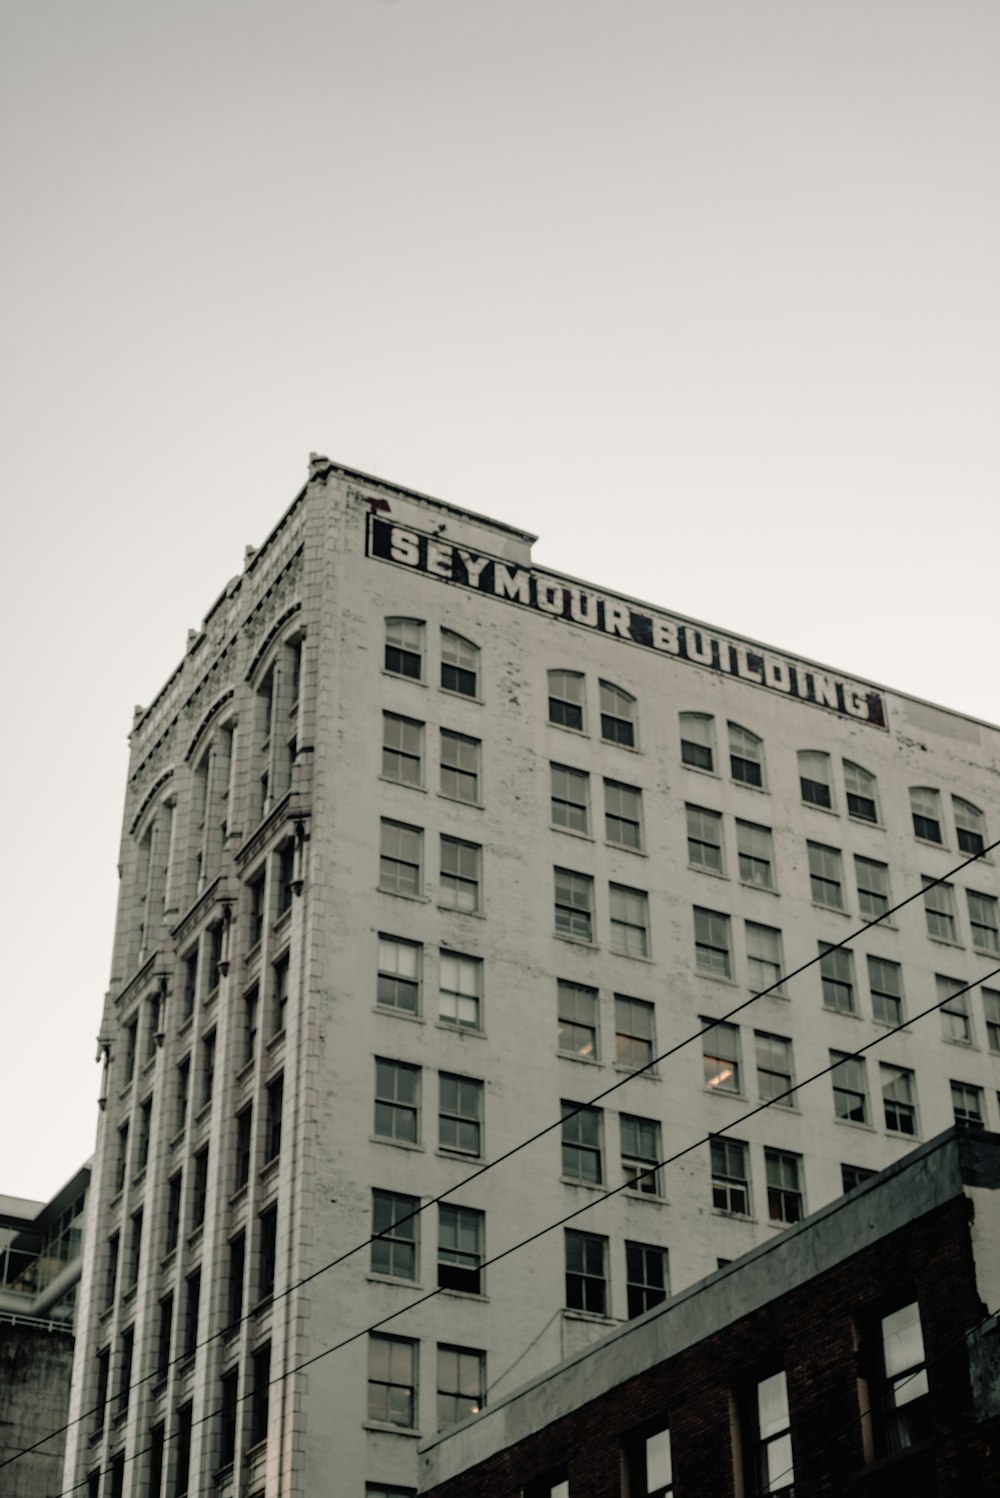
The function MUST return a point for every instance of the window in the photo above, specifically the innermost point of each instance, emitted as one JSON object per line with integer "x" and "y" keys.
{"x": 111, "y": 1280}
{"x": 825, "y": 877}
{"x": 581, "y": 1144}
{"x": 753, "y": 845}
{"x": 784, "y": 1186}
{"x": 983, "y": 920}
{"x": 237, "y": 1270}
{"x": 180, "y": 1122}
{"x": 207, "y": 1069}
{"x": 698, "y": 741}
{"x": 279, "y": 986}
{"x": 398, "y": 974}
{"x": 145, "y": 1125}
{"x": 460, "y": 1116}
{"x": 103, "y": 1372}
{"x": 939, "y": 908}
{"x": 229, "y": 1412}
{"x": 899, "y": 1099}
{"x": 860, "y": 786}
{"x": 182, "y": 1472}
{"x": 925, "y": 804}
{"x": 189, "y": 985}
{"x": 853, "y": 1175}
{"x": 459, "y": 766}
{"x": 260, "y": 1373}
{"x": 629, "y": 921}
{"x": 275, "y": 1107}
{"x": 121, "y": 1162}
{"x": 164, "y": 1332}
{"x": 199, "y": 1193}
{"x": 836, "y": 968}
{"x": 897, "y": 1392}
{"x": 730, "y": 1182}
{"x": 174, "y": 1198}
{"x": 404, "y": 647}
{"x": 251, "y": 1005}
{"x": 618, "y": 715}
{"x": 268, "y": 1263}
{"x": 214, "y": 958}
{"x": 135, "y": 1253}
{"x": 154, "y": 1488}
{"x": 634, "y": 1032}
{"x": 967, "y": 1104}
{"x": 850, "y": 1087}
{"x": 397, "y": 1101}
{"x": 461, "y": 1384}
{"x": 991, "y": 1011}
{"x": 566, "y": 699}
{"x": 711, "y": 942}
{"x": 623, "y": 814}
{"x": 586, "y": 1273}
{"x": 767, "y": 1438}
{"x": 764, "y": 959}
{"x": 392, "y": 1380}
{"x": 641, "y": 1153}
{"x": 460, "y": 874}
{"x": 720, "y": 1046}
{"x": 574, "y": 905}
{"x": 402, "y": 749}
{"x": 704, "y": 838}
{"x": 257, "y": 891}
{"x": 131, "y": 1041}
{"x": 570, "y": 798}
{"x": 873, "y": 887}
{"x": 400, "y": 858}
{"x": 815, "y": 781}
{"x": 460, "y": 1248}
{"x": 578, "y": 1020}
{"x": 774, "y": 1067}
{"x": 459, "y": 664}
{"x": 244, "y": 1146}
{"x": 286, "y": 876}
{"x": 388, "y": 1490}
{"x": 885, "y": 979}
{"x": 954, "y": 1000}
{"x": 192, "y": 1308}
{"x": 746, "y": 756}
{"x": 461, "y": 991}
{"x": 394, "y": 1234}
{"x": 646, "y": 1275}
{"x": 970, "y": 824}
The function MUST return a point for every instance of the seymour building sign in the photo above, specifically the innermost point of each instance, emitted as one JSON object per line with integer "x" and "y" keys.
{"x": 577, "y": 604}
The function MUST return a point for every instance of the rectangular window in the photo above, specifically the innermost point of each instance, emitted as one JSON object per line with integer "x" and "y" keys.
{"x": 618, "y": 715}
{"x": 566, "y": 699}
{"x": 873, "y": 887}
{"x": 103, "y": 1373}
{"x": 175, "y": 1188}
{"x": 953, "y": 997}
{"x": 461, "y": 991}
{"x": 720, "y": 1046}
{"x": 897, "y": 1392}
{"x": 574, "y": 905}
{"x": 853, "y": 1175}
{"x": 460, "y": 1248}
{"x": 286, "y": 876}
{"x": 814, "y": 779}
{"x": 925, "y": 805}
{"x": 991, "y": 1012}
{"x": 698, "y": 741}
{"x": 641, "y": 1153}
{"x": 121, "y": 1163}
{"x": 586, "y": 1273}
{"x": 394, "y": 1234}
{"x": 939, "y": 908}
{"x": 404, "y": 647}
{"x": 784, "y": 1185}
{"x": 260, "y": 1371}
{"x": 704, "y": 838}
{"x": 850, "y": 1087}
{"x": 461, "y": 1384}
{"x": 237, "y": 1270}
{"x": 861, "y": 793}
{"x": 570, "y": 798}
{"x": 581, "y": 1144}
{"x": 984, "y": 923}
{"x": 199, "y": 1192}
{"x": 146, "y": 1120}
{"x": 392, "y": 1380}
{"x": 157, "y": 1438}
{"x": 207, "y": 1069}
{"x": 646, "y": 1276}
{"x": 711, "y": 943}
{"x": 459, "y": 664}
{"x": 182, "y": 1474}
{"x": 578, "y": 1020}
{"x": 460, "y": 874}
{"x": 397, "y": 1101}
{"x": 836, "y": 966}
{"x": 634, "y": 1032}
{"x": 768, "y": 1439}
{"x": 400, "y": 858}
{"x": 460, "y": 1115}
{"x": 899, "y": 1099}
{"x": 279, "y": 984}
{"x": 251, "y": 1005}
{"x": 192, "y": 1309}
{"x": 399, "y": 974}
{"x": 825, "y": 876}
{"x": 402, "y": 749}
{"x": 764, "y": 959}
{"x": 774, "y": 1067}
{"x": 257, "y": 892}
{"x": 970, "y": 824}
{"x": 164, "y": 1332}
{"x": 229, "y": 1415}
{"x": 214, "y": 959}
{"x": 623, "y": 814}
{"x": 885, "y": 979}
{"x": 111, "y": 1279}
{"x": 275, "y": 1107}
{"x": 459, "y": 766}
{"x": 730, "y": 1181}
{"x": 268, "y": 1263}
{"x": 753, "y": 844}
{"x": 629, "y": 921}
{"x": 244, "y": 1146}
{"x": 967, "y": 1104}
{"x": 135, "y": 1250}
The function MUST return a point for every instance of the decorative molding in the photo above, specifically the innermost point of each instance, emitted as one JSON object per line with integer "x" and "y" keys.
{"x": 197, "y": 912}
{"x": 277, "y": 595}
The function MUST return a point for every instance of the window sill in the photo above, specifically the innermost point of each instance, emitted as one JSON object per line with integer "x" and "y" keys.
{"x": 715, "y": 978}
{"x": 735, "y": 1097}
{"x": 832, "y": 909}
{"x": 844, "y": 1013}
{"x": 239, "y": 1194}
{"x": 594, "y": 1317}
{"x": 765, "y": 889}
{"x": 986, "y": 951}
{"x": 966, "y": 1045}
{"x": 246, "y": 1071}
{"x": 745, "y": 785}
{"x": 908, "y": 1139}
{"x": 269, "y": 1169}
{"x": 617, "y": 744}
{"x": 391, "y": 1430}
{"x": 577, "y": 941}
{"x": 169, "y": 1259}
{"x": 462, "y": 696}
{"x": 586, "y": 1185}
{"x": 195, "y": 1236}
{"x": 407, "y": 785}
{"x": 277, "y": 1040}
{"x": 443, "y": 1154}
{"x": 632, "y": 956}
{"x": 414, "y": 681}
{"x": 253, "y": 953}
{"x": 827, "y": 811}
{"x": 626, "y": 848}
{"x": 585, "y": 837}
{"x": 697, "y": 770}
{"x": 478, "y": 915}
{"x": 579, "y": 733}
{"x": 461, "y": 801}
{"x": 583, "y": 1060}
{"x": 392, "y": 1279}
{"x": 399, "y": 1144}
{"x": 864, "y": 822}
{"x": 463, "y": 1030}
{"x": 655, "y": 1198}
{"x": 700, "y": 868}
{"x": 463, "y": 1294}
{"x": 184, "y": 1028}
{"x": 930, "y": 842}
{"x": 129, "y": 1297}
{"x": 282, "y": 921}
{"x": 853, "y": 1123}
{"x": 203, "y": 1113}
{"x": 400, "y": 894}
{"x": 733, "y": 1216}
{"x": 638, "y": 1071}
{"x": 394, "y": 1013}
{"x": 947, "y": 941}
{"x": 139, "y": 1177}
{"x": 149, "y": 1065}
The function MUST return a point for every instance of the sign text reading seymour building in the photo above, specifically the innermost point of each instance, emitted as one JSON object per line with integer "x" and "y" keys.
{"x": 612, "y": 616}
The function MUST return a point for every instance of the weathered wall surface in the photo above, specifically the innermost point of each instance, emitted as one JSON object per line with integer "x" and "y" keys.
{"x": 35, "y": 1368}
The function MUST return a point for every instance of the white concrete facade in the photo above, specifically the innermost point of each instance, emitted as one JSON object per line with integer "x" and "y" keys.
{"x": 263, "y": 760}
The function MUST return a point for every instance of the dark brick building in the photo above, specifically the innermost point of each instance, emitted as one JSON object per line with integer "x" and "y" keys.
{"x": 858, "y": 1353}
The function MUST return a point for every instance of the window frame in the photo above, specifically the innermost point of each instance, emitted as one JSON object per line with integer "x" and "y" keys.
{"x": 899, "y": 1111}
{"x": 940, "y": 910}
{"x": 727, "y": 1064}
{"x": 708, "y": 942}
{"x": 464, "y": 665}
{"x": 849, "y": 1081}
{"x": 826, "y": 875}
{"x": 641, "y": 1151}
{"x": 646, "y": 1292}
{"x": 398, "y": 874}
{"x": 837, "y": 979}
{"x": 457, "y": 1112}
{"x": 412, "y": 650}
{"x": 390, "y": 978}
{"x": 617, "y": 727}
{"x": 472, "y": 1358}
{"x": 569, "y": 802}
{"x": 408, "y": 1350}
{"x": 750, "y": 860}
{"x": 699, "y": 821}
{"x": 925, "y": 811}
{"x": 861, "y": 786}
{"x": 461, "y": 1249}
{"x": 401, "y": 1108}
{"x": 396, "y": 1241}
{"x": 586, "y": 1268}
{"x": 466, "y": 999}
{"x": 750, "y": 756}
{"x": 984, "y": 917}
{"x": 872, "y": 903}
{"x": 571, "y": 909}
{"x": 465, "y": 778}
{"x": 627, "y": 1009}
{"x": 785, "y": 1186}
{"x": 815, "y": 790}
{"x": 623, "y": 825}
{"x": 569, "y": 996}
{"x": 582, "y": 1143}
{"x": 970, "y": 825}
{"x": 629, "y": 921}
{"x": 698, "y": 753}
{"x": 464, "y": 882}
{"x": 883, "y": 998}
{"x": 402, "y": 750}
{"x": 785, "y": 1078}
{"x": 569, "y": 706}
{"x": 730, "y": 1176}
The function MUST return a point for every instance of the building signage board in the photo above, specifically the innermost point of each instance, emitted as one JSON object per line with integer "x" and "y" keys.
{"x": 530, "y": 588}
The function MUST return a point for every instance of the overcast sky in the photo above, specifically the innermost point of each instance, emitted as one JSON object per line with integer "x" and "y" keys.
{"x": 705, "y": 292}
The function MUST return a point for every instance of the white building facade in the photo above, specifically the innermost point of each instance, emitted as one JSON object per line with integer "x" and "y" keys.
{"x": 423, "y": 846}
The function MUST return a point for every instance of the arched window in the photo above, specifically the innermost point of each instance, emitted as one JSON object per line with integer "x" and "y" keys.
{"x": 746, "y": 756}
{"x": 860, "y": 786}
{"x": 698, "y": 741}
{"x": 404, "y": 647}
{"x": 970, "y": 825}
{"x": 815, "y": 781}
{"x": 459, "y": 664}
{"x": 566, "y": 699}
{"x": 618, "y": 715}
{"x": 925, "y": 804}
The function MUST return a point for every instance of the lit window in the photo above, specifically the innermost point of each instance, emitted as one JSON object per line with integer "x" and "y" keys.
{"x": 954, "y": 1000}
{"x": 586, "y": 1273}
{"x": 460, "y": 1115}
{"x": 850, "y": 1087}
{"x": 618, "y": 715}
{"x": 704, "y": 838}
{"x": 991, "y": 1010}
{"x": 939, "y": 908}
{"x": 897, "y": 1393}
{"x": 984, "y": 923}
{"x": 925, "y": 804}
{"x": 392, "y": 1380}
{"x": 836, "y": 967}
{"x": 774, "y": 1067}
{"x": 461, "y": 1384}
{"x": 582, "y": 1158}
{"x": 873, "y": 886}
{"x": 578, "y": 1020}
{"x": 746, "y": 756}
{"x": 784, "y": 1186}
{"x": 622, "y": 814}
{"x": 402, "y": 749}
{"x": 711, "y": 943}
{"x": 634, "y": 1032}
{"x": 720, "y": 1047}
{"x": 460, "y": 1248}
{"x": 860, "y": 786}
{"x": 899, "y": 1099}
{"x": 647, "y": 1282}
{"x": 641, "y": 1153}
{"x": 825, "y": 877}
{"x": 570, "y": 798}
{"x": 461, "y": 991}
{"x": 459, "y": 664}
{"x": 397, "y": 1101}
{"x": 764, "y": 959}
{"x": 566, "y": 699}
{"x": 394, "y": 1234}
{"x": 459, "y": 766}
{"x": 885, "y": 979}
{"x": 970, "y": 824}
{"x": 399, "y": 974}
{"x": 730, "y": 1182}
{"x": 815, "y": 780}
{"x": 574, "y": 905}
{"x": 756, "y": 860}
{"x": 400, "y": 858}
{"x": 460, "y": 874}
{"x": 629, "y": 921}
{"x": 768, "y": 1438}
{"x": 404, "y": 647}
{"x": 698, "y": 741}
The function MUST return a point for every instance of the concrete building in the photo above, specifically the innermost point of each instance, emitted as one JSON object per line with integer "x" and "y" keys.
{"x": 859, "y": 1353}
{"x": 421, "y": 846}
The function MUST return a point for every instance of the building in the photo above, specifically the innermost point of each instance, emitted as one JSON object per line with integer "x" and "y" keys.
{"x": 41, "y": 1260}
{"x": 422, "y": 845}
{"x": 858, "y": 1353}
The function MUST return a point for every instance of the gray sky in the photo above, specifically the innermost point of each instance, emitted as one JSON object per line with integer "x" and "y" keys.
{"x": 703, "y": 291}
